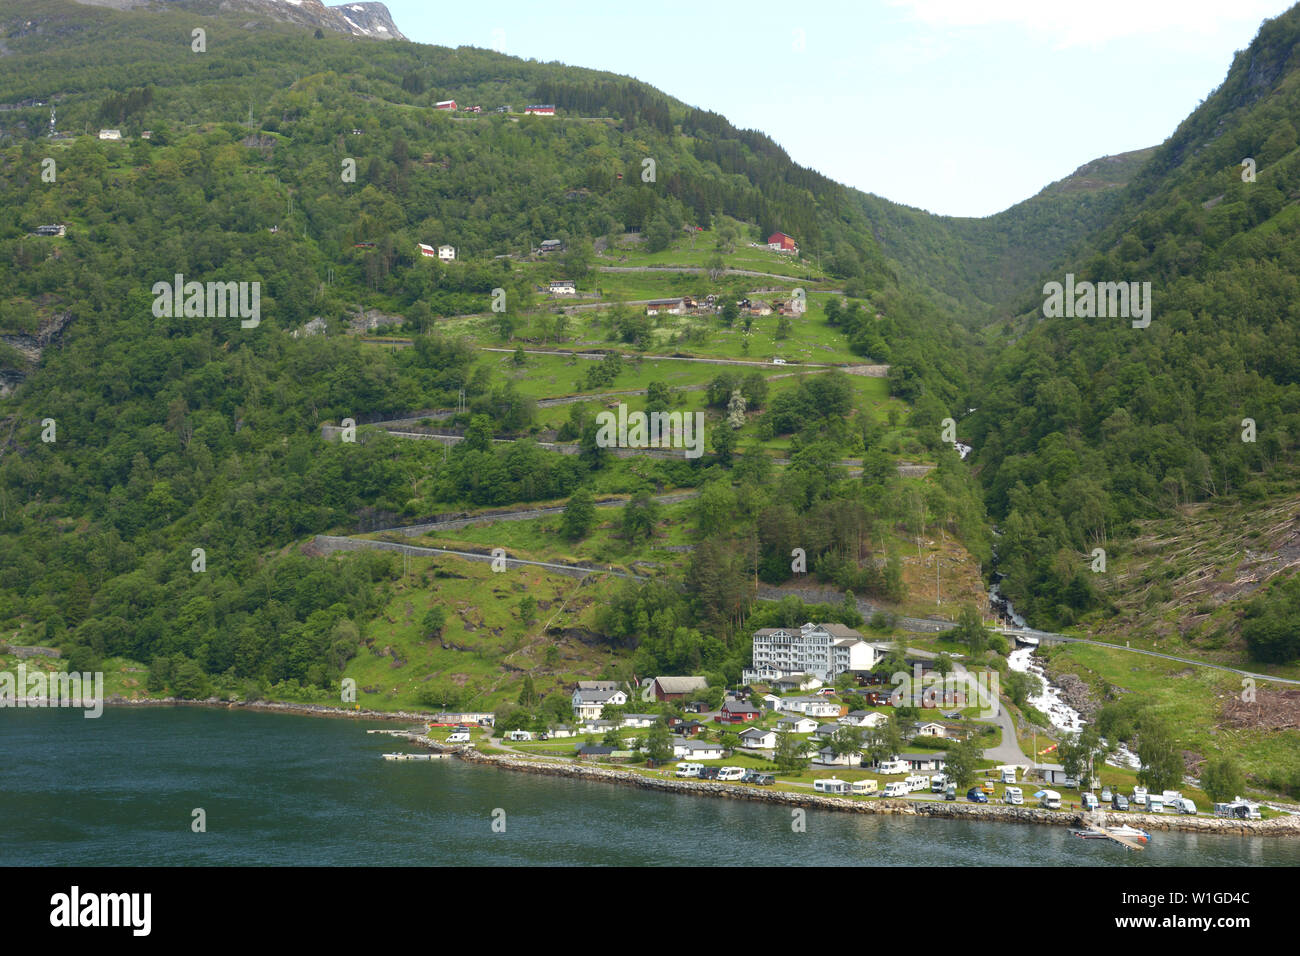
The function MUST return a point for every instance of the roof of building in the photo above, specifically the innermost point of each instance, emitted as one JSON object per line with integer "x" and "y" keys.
{"x": 681, "y": 685}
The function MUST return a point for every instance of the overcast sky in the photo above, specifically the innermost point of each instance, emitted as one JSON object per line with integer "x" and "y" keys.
{"x": 962, "y": 107}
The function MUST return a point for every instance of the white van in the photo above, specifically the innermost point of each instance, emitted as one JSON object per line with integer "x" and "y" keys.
{"x": 688, "y": 769}
{"x": 1013, "y": 795}
{"x": 1185, "y": 805}
{"x": 459, "y": 737}
{"x": 896, "y": 789}
{"x": 938, "y": 783}
{"x": 731, "y": 773}
{"x": 917, "y": 782}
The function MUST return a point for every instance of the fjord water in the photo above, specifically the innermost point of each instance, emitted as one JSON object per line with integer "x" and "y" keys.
{"x": 283, "y": 790}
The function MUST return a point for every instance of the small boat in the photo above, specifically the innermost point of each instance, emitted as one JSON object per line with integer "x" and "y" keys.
{"x": 1131, "y": 833}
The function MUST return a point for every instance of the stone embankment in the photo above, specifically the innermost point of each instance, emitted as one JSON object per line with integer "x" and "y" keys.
{"x": 1278, "y": 826}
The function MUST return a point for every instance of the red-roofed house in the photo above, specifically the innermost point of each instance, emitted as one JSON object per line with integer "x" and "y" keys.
{"x": 780, "y": 242}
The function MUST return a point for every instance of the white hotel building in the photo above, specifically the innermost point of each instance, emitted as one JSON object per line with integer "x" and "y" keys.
{"x": 822, "y": 650}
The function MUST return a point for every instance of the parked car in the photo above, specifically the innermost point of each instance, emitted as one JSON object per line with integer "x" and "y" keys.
{"x": 709, "y": 773}
{"x": 1106, "y": 795}
{"x": 762, "y": 779}
{"x": 976, "y": 795}
{"x": 951, "y": 792}
{"x": 1120, "y": 802}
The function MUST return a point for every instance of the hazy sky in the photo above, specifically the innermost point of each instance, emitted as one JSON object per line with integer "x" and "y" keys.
{"x": 961, "y": 107}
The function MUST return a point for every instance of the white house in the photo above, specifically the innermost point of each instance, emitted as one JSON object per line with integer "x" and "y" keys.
{"x": 770, "y": 702}
{"x": 929, "y": 762}
{"x": 563, "y": 731}
{"x": 823, "y": 651}
{"x": 796, "y": 724}
{"x": 756, "y": 738}
{"x": 598, "y": 726}
{"x": 447, "y": 253}
{"x": 1055, "y": 773}
{"x": 810, "y": 706}
{"x": 931, "y": 729}
{"x": 684, "y": 749}
{"x": 831, "y": 759}
{"x": 639, "y": 720}
{"x": 590, "y": 704}
{"x": 864, "y": 718}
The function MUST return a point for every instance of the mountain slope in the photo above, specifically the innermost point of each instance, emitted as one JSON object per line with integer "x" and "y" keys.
{"x": 982, "y": 265}
{"x": 1087, "y": 426}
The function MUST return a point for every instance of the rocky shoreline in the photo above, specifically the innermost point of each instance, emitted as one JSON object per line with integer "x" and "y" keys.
{"x": 1278, "y": 826}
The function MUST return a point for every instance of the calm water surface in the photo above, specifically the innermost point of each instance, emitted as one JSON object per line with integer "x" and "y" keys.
{"x": 283, "y": 790}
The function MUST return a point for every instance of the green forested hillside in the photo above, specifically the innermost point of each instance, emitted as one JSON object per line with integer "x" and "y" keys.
{"x": 175, "y": 434}
{"x": 1087, "y": 425}
{"x": 981, "y": 267}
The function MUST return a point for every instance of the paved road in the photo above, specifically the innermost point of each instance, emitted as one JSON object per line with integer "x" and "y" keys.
{"x": 462, "y": 521}
{"x": 700, "y": 270}
{"x": 1053, "y": 637}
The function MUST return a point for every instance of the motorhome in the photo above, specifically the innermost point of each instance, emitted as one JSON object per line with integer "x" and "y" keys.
{"x": 1008, "y": 774}
{"x": 893, "y": 766}
{"x": 1238, "y": 809}
{"x": 896, "y": 789}
{"x": 1089, "y": 801}
{"x": 689, "y": 769}
{"x": 864, "y": 787}
{"x": 1185, "y": 805}
{"x": 917, "y": 782}
{"x": 519, "y": 735}
{"x": 1139, "y": 794}
{"x": 938, "y": 783}
{"x": 1013, "y": 795}
{"x": 731, "y": 773}
{"x": 830, "y": 785}
{"x": 1155, "y": 804}
{"x": 459, "y": 737}
{"x": 1049, "y": 799}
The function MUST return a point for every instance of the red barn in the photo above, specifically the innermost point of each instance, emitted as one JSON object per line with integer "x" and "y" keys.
{"x": 780, "y": 242}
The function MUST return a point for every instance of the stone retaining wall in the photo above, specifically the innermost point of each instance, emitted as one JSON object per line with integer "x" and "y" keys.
{"x": 1278, "y": 826}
